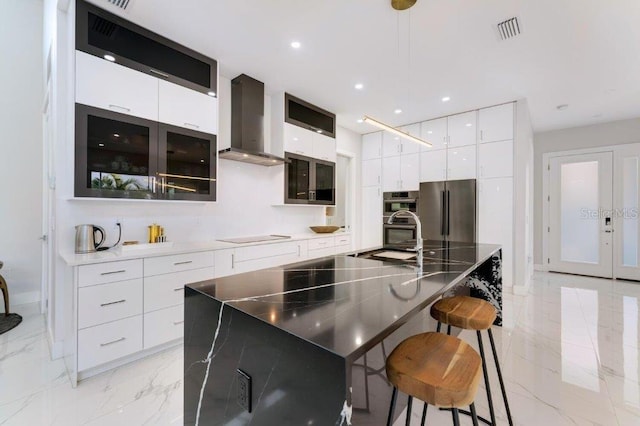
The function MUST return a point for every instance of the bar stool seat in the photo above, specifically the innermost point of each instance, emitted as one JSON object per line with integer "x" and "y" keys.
{"x": 469, "y": 313}
{"x": 5, "y": 292}
{"x": 438, "y": 369}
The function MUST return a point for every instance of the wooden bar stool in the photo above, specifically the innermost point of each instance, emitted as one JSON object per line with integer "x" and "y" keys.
{"x": 471, "y": 313}
{"x": 438, "y": 369}
{"x": 5, "y": 293}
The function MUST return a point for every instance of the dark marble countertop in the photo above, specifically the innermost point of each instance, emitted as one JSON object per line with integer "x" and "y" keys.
{"x": 347, "y": 304}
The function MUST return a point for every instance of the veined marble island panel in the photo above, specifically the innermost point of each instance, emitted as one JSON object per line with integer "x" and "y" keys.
{"x": 297, "y": 330}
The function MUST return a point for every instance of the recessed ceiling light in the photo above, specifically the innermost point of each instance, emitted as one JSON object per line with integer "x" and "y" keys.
{"x": 446, "y": 99}
{"x": 211, "y": 93}
{"x": 359, "y": 86}
{"x": 296, "y": 44}
{"x": 110, "y": 58}
{"x": 397, "y": 111}
{"x": 469, "y": 124}
{"x": 360, "y": 120}
{"x": 562, "y": 107}
{"x": 100, "y": 144}
{"x": 116, "y": 135}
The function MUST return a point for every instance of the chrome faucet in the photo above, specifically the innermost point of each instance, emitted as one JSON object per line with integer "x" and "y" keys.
{"x": 419, "y": 243}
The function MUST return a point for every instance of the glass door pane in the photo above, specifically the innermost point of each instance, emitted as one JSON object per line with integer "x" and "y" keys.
{"x": 298, "y": 179}
{"x": 629, "y": 212}
{"x": 325, "y": 182}
{"x": 187, "y": 164}
{"x": 579, "y": 212}
{"x": 113, "y": 154}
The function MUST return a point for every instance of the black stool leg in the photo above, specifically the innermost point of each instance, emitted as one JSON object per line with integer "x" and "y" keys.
{"x": 456, "y": 418}
{"x": 448, "y": 330}
{"x": 394, "y": 396}
{"x": 424, "y": 414}
{"x": 474, "y": 416}
{"x": 409, "y": 404}
{"x": 504, "y": 391}
{"x": 486, "y": 378}
{"x": 438, "y": 327}
{"x": 366, "y": 382}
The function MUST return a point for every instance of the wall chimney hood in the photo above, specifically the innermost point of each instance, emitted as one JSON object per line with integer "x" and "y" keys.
{"x": 247, "y": 124}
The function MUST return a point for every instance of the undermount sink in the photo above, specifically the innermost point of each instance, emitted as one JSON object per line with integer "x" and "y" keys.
{"x": 388, "y": 254}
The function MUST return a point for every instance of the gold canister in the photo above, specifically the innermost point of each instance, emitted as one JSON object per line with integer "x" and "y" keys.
{"x": 154, "y": 232}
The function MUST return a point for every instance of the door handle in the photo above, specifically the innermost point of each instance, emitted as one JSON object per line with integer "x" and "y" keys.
{"x": 448, "y": 213}
{"x": 608, "y": 231}
{"x": 442, "y": 212}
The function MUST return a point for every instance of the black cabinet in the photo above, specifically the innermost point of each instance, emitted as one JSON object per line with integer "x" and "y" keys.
{"x": 121, "y": 156}
{"x": 101, "y": 33}
{"x": 309, "y": 180}
{"x": 309, "y": 116}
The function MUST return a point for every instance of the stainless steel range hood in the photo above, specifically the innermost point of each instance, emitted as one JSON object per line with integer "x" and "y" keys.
{"x": 247, "y": 124}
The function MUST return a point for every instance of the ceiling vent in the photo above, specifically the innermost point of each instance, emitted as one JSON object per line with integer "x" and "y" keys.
{"x": 122, "y": 4}
{"x": 509, "y": 28}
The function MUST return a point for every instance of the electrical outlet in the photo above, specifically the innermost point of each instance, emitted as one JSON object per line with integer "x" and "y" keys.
{"x": 244, "y": 390}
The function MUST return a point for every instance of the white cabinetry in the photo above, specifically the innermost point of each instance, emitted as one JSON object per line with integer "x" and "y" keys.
{"x": 372, "y": 172}
{"x": 401, "y": 173}
{"x": 371, "y": 217}
{"x": 434, "y": 131}
{"x": 433, "y": 165}
{"x": 496, "y": 123}
{"x": 298, "y": 140}
{"x": 372, "y": 146}
{"x": 103, "y": 303}
{"x": 184, "y": 107}
{"x": 461, "y": 162}
{"x": 462, "y": 129}
{"x": 106, "y": 85}
{"x": 324, "y": 147}
{"x": 496, "y": 159}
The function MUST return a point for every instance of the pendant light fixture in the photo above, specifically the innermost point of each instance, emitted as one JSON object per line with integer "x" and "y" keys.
{"x": 402, "y": 4}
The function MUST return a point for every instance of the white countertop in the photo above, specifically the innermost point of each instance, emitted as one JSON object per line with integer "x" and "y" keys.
{"x": 115, "y": 254}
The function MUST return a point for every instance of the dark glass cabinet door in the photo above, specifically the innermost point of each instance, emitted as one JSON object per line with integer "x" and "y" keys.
{"x": 298, "y": 180}
{"x": 115, "y": 154}
{"x": 324, "y": 179}
{"x": 186, "y": 164}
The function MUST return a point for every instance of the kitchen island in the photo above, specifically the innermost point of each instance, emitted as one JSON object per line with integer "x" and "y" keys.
{"x": 283, "y": 346}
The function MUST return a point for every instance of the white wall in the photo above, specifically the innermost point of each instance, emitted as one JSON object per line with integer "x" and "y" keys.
{"x": 606, "y": 134}
{"x": 21, "y": 146}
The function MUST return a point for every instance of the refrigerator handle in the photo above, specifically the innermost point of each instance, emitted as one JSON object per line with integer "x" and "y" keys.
{"x": 448, "y": 215}
{"x": 443, "y": 213}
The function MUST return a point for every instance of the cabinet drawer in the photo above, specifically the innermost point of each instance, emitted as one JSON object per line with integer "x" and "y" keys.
{"x": 107, "y": 342}
{"x": 103, "y": 303}
{"x": 163, "y": 291}
{"x": 342, "y": 240}
{"x": 177, "y": 263}
{"x": 120, "y": 89}
{"x": 321, "y": 252}
{"x": 101, "y": 273}
{"x": 187, "y": 108}
{"x": 320, "y": 243}
{"x": 244, "y": 254}
{"x": 163, "y": 326}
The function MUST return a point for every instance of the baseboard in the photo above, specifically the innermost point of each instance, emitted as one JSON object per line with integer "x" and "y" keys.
{"x": 540, "y": 268}
{"x": 21, "y": 299}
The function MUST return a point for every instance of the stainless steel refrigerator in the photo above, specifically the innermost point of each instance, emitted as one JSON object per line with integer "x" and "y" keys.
{"x": 447, "y": 210}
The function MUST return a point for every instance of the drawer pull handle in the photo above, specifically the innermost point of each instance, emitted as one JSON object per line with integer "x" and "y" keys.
{"x": 112, "y": 106}
{"x": 178, "y": 289}
{"x": 178, "y": 322}
{"x": 186, "y": 262}
{"x": 113, "y": 303}
{"x": 156, "y": 72}
{"x": 193, "y": 126}
{"x": 114, "y": 272}
{"x": 111, "y": 343}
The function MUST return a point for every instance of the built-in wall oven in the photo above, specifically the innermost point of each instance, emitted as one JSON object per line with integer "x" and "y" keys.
{"x": 403, "y": 229}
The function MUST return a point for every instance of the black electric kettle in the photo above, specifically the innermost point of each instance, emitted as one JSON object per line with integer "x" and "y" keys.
{"x": 86, "y": 238}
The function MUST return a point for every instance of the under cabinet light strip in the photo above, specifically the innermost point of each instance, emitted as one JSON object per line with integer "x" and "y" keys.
{"x": 395, "y": 131}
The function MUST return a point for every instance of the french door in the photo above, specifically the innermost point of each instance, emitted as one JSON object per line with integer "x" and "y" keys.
{"x": 581, "y": 214}
{"x": 626, "y": 196}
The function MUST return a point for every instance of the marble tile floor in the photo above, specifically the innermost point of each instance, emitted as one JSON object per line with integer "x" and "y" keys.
{"x": 569, "y": 351}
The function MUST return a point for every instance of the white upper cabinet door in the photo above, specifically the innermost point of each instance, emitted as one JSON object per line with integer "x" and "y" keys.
{"x": 298, "y": 140}
{"x": 496, "y": 159}
{"x": 187, "y": 108}
{"x": 391, "y": 173}
{"x": 372, "y": 146}
{"x": 324, "y": 147}
{"x": 434, "y": 131}
{"x": 103, "y": 84}
{"x": 461, "y": 162}
{"x": 372, "y": 172}
{"x": 407, "y": 146}
{"x": 371, "y": 217}
{"x": 496, "y": 123}
{"x": 410, "y": 172}
{"x": 391, "y": 144}
{"x": 433, "y": 166}
{"x": 462, "y": 129}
